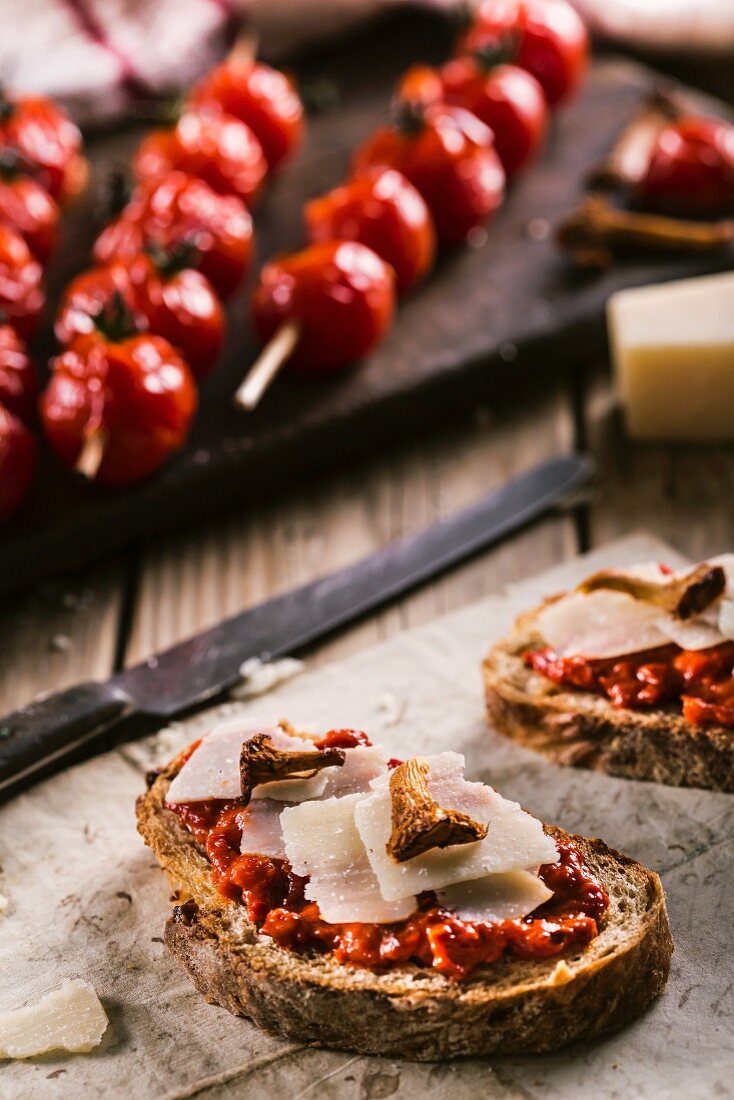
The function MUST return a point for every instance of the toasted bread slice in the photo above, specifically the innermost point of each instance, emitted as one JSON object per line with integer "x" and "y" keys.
{"x": 582, "y": 729}
{"x": 511, "y": 1007}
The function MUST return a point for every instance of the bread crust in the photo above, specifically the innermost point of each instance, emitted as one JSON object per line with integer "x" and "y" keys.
{"x": 580, "y": 729}
{"x": 512, "y": 1007}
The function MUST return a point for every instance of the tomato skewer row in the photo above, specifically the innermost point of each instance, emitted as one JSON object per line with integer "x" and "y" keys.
{"x": 338, "y": 289}
{"x": 119, "y": 402}
{"x": 27, "y": 207}
{"x": 208, "y": 143}
{"x": 381, "y": 209}
{"x": 163, "y": 295}
{"x": 181, "y": 210}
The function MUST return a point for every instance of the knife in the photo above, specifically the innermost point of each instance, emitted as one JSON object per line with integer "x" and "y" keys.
{"x": 49, "y": 731}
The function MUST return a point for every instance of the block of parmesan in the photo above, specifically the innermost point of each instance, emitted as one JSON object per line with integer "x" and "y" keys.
{"x": 70, "y": 1018}
{"x": 672, "y": 347}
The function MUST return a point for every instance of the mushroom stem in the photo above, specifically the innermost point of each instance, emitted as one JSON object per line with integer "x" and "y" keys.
{"x": 627, "y": 162}
{"x": 595, "y": 230}
{"x": 262, "y": 372}
{"x": 92, "y": 453}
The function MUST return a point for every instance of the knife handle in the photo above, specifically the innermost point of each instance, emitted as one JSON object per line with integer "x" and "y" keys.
{"x": 52, "y": 727}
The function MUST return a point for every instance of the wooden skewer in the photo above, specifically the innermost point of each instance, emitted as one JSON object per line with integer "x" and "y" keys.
{"x": 92, "y": 453}
{"x": 596, "y": 230}
{"x": 262, "y": 372}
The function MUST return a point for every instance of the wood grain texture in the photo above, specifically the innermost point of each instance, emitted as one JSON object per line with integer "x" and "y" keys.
{"x": 191, "y": 582}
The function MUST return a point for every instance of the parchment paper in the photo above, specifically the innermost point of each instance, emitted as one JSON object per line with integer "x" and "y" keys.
{"x": 87, "y": 899}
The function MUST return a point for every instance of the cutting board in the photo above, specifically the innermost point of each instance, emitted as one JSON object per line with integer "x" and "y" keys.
{"x": 87, "y": 900}
{"x": 507, "y": 312}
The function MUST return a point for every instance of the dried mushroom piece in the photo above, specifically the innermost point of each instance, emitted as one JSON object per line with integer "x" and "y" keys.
{"x": 418, "y": 822}
{"x": 685, "y": 597}
{"x": 596, "y": 230}
{"x": 262, "y": 762}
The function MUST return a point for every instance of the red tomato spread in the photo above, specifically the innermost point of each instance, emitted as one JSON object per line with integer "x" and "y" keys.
{"x": 432, "y": 936}
{"x": 700, "y": 682}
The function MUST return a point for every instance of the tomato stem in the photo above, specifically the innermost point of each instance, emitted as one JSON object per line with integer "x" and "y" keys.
{"x": 262, "y": 372}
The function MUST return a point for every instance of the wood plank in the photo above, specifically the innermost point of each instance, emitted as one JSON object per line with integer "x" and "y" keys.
{"x": 58, "y": 633}
{"x": 187, "y": 584}
{"x": 681, "y": 493}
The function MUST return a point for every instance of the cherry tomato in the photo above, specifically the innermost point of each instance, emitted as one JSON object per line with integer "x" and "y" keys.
{"x": 17, "y": 462}
{"x": 545, "y": 37}
{"x": 134, "y": 396}
{"x": 339, "y": 293}
{"x": 18, "y": 382}
{"x": 210, "y": 144}
{"x": 691, "y": 168}
{"x": 179, "y": 210}
{"x": 259, "y": 96}
{"x": 21, "y": 295}
{"x": 28, "y": 209}
{"x": 384, "y": 211}
{"x": 505, "y": 97}
{"x": 163, "y": 296}
{"x": 43, "y": 136}
{"x": 447, "y": 154}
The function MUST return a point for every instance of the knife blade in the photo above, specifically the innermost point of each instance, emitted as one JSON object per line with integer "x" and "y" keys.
{"x": 202, "y": 668}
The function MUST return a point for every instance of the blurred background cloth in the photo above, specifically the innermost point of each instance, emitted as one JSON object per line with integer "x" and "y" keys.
{"x": 99, "y": 56}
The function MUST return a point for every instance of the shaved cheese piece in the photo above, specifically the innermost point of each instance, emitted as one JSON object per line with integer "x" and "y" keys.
{"x": 321, "y": 841}
{"x": 691, "y": 634}
{"x": 601, "y": 624}
{"x": 213, "y": 769}
{"x": 361, "y": 765}
{"x": 261, "y": 831}
{"x": 726, "y": 618}
{"x": 514, "y": 840}
{"x": 70, "y": 1018}
{"x": 496, "y": 897}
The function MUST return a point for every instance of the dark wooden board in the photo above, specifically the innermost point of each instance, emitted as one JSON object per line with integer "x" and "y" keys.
{"x": 504, "y": 313}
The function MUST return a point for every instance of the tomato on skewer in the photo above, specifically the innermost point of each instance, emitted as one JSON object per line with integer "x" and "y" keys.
{"x": 210, "y": 144}
{"x": 44, "y": 138}
{"x": 318, "y": 310}
{"x": 118, "y": 404}
{"x": 18, "y": 381}
{"x": 163, "y": 296}
{"x": 183, "y": 210}
{"x": 546, "y": 37}
{"x": 263, "y": 98}
{"x": 381, "y": 209}
{"x": 28, "y": 208}
{"x": 17, "y": 462}
{"x": 448, "y": 156}
{"x": 691, "y": 168}
{"x": 21, "y": 294}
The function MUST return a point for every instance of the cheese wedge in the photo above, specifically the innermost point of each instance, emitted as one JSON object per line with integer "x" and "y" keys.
{"x": 672, "y": 347}
{"x": 514, "y": 841}
{"x": 321, "y": 840}
{"x": 70, "y": 1018}
{"x": 496, "y": 897}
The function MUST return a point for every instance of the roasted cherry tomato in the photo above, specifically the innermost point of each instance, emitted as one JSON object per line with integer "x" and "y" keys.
{"x": 163, "y": 296}
{"x": 339, "y": 294}
{"x": 691, "y": 168}
{"x": 116, "y": 407}
{"x": 448, "y": 156}
{"x": 17, "y": 462}
{"x": 29, "y": 209}
{"x": 210, "y": 144}
{"x": 384, "y": 211}
{"x": 182, "y": 210}
{"x": 18, "y": 381}
{"x": 545, "y": 37}
{"x": 45, "y": 139}
{"x": 21, "y": 295}
{"x": 507, "y": 98}
{"x": 259, "y": 96}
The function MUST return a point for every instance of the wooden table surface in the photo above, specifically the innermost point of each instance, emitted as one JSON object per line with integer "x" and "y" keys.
{"x": 121, "y": 611}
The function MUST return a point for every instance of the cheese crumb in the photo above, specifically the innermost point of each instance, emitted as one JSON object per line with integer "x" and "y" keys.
{"x": 259, "y": 677}
{"x": 69, "y": 1018}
